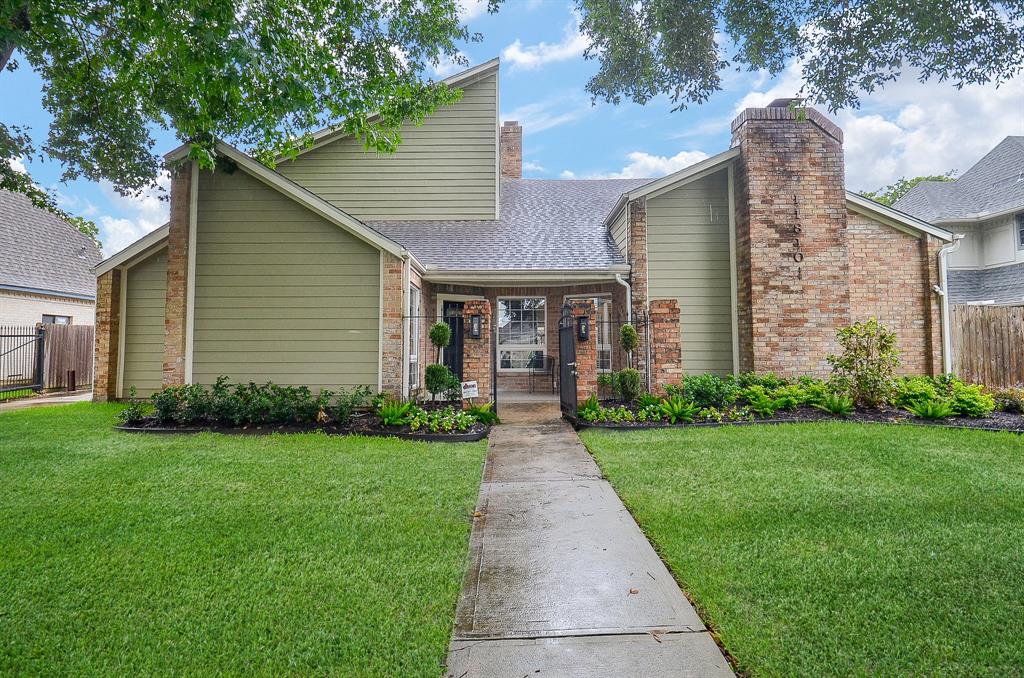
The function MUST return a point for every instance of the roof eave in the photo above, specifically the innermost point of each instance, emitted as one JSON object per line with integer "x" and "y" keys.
{"x": 136, "y": 248}
{"x": 499, "y": 276}
{"x": 859, "y": 202}
{"x": 49, "y": 293}
{"x": 979, "y": 216}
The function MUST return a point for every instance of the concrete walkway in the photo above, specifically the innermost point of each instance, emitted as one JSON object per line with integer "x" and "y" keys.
{"x": 562, "y": 582}
{"x": 45, "y": 400}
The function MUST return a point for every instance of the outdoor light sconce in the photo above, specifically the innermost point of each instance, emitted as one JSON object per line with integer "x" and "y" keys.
{"x": 583, "y": 328}
{"x": 475, "y": 325}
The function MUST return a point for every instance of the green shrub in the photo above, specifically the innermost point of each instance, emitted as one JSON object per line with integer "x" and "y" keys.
{"x": 649, "y": 413}
{"x": 348, "y": 402}
{"x": 1010, "y": 400}
{"x": 868, "y": 363}
{"x": 971, "y": 401}
{"x": 394, "y": 412}
{"x": 789, "y": 397}
{"x": 628, "y": 340}
{"x": 815, "y": 390}
{"x": 440, "y": 380}
{"x": 589, "y": 409}
{"x": 606, "y": 381}
{"x": 630, "y": 384}
{"x": 837, "y": 404}
{"x": 444, "y": 420}
{"x": 134, "y": 412}
{"x": 166, "y": 402}
{"x": 930, "y": 409}
{"x": 647, "y": 400}
{"x": 440, "y": 336}
{"x": 769, "y": 380}
{"x": 484, "y": 413}
{"x": 758, "y": 400}
{"x": 711, "y": 414}
{"x": 909, "y": 391}
{"x": 709, "y": 390}
{"x": 676, "y": 409}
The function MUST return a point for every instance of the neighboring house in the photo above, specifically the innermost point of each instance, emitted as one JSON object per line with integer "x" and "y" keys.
{"x": 328, "y": 270}
{"x": 986, "y": 205}
{"x": 45, "y": 267}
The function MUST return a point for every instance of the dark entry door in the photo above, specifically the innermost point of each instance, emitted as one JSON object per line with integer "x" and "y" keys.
{"x": 567, "y": 362}
{"x": 451, "y": 312}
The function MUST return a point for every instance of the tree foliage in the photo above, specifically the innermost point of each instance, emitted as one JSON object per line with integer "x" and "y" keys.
{"x": 262, "y": 74}
{"x": 888, "y": 195}
{"x": 651, "y": 47}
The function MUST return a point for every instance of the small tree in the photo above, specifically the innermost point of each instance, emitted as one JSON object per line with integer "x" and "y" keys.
{"x": 440, "y": 337}
{"x": 866, "y": 369}
{"x": 628, "y": 340}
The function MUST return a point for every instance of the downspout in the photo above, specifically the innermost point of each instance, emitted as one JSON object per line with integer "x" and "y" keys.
{"x": 629, "y": 297}
{"x": 406, "y": 294}
{"x": 942, "y": 289}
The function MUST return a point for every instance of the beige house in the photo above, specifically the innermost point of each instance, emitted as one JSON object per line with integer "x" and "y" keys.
{"x": 327, "y": 270}
{"x": 45, "y": 267}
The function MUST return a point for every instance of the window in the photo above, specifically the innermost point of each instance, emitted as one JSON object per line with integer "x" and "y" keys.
{"x": 414, "y": 337}
{"x": 56, "y": 319}
{"x": 521, "y": 332}
{"x": 1020, "y": 231}
{"x": 603, "y": 331}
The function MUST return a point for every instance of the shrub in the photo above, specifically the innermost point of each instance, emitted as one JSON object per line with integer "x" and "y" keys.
{"x": 868, "y": 363}
{"x": 815, "y": 390}
{"x": 651, "y": 413}
{"x": 1010, "y": 400}
{"x": 759, "y": 402}
{"x": 837, "y": 404}
{"x": 440, "y": 336}
{"x": 394, "y": 412}
{"x": 441, "y": 381}
{"x": 606, "y": 381}
{"x": 484, "y": 413}
{"x": 789, "y": 397}
{"x": 166, "y": 403}
{"x": 971, "y": 401}
{"x": 348, "y": 402}
{"x": 930, "y": 409}
{"x": 711, "y": 414}
{"x": 445, "y": 420}
{"x": 630, "y": 384}
{"x": 647, "y": 400}
{"x": 912, "y": 390}
{"x": 709, "y": 390}
{"x": 675, "y": 408}
{"x": 589, "y": 409}
{"x": 134, "y": 412}
{"x": 628, "y": 340}
{"x": 769, "y": 380}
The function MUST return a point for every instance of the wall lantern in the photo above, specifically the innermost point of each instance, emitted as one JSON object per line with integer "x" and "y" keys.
{"x": 583, "y": 327}
{"x": 476, "y": 322}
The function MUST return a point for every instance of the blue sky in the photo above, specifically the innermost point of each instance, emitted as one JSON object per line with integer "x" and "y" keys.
{"x": 908, "y": 129}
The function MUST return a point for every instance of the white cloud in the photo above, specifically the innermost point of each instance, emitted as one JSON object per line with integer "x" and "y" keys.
{"x": 911, "y": 128}
{"x": 531, "y": 57}
{"x": 142, "y": 214}
{"x": 529, "y": 166}
{"x": 644, "y": 165}
{"x": 471, "y": 9}
{"x": 551, "y": 112}
{"x": 448, "y": 66}
{"x": 567, "y": 174}
{"x": 18, "y": 165}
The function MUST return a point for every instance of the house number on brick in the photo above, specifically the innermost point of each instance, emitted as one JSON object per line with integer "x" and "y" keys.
{"x": 797, "y": 254}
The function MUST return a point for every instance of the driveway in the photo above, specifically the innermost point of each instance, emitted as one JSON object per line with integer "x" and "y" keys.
{"x": 561, "y": 579}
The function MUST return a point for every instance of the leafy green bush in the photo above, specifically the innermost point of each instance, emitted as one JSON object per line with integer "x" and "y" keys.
{"x": 815, "y": 390}
{"x": 647, "y": 399}
{"x": 348, "y": 402}
{"x": 440, "y": 380}
{"x": 1010, "y": 400}
{"x": 789, "y": 397}
{"x": 134, "y": 412}
{"x": 649, "y": 413}
{"x": 769, "y": 380}
{"x": 676, "y": 409}
{"x": 484, "y": 413}
{"x": 444, "y": 420}
{"x": 930, "y": 409}
{"x": 971, "y": 401}
{"x": 837, "y": 404}
{"x": 709, "y": 390}
{"x": 606, "y": 381}
{"x": 909, "y": 391}
{"x": 589, "y": 409}
{"x": 628, "y": 340}
{"x": 394, "y": 412}
{"x": 440, "y": 336}
{"x": 867, "y": 366}
{"x": 711, "y": 414}
{"x": 630, "y": 384}
{"x": 758, "y": 400}
{"x": 166, "y": 403}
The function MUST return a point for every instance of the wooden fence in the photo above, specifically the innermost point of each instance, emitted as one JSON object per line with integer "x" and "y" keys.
{"x": 68, "y": 348}
{"x": 988, "y": 344}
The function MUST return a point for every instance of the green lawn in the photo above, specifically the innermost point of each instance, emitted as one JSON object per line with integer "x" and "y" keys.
{"x": 11, "y": 395}
{"x": 839, "y": 549}
{"x": 126, "y": 554}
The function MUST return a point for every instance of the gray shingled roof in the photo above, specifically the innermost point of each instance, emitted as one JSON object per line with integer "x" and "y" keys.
{"x": 544, "y": 224}
{"x": 40, "y": 251}
{"x": 993, "y": 185}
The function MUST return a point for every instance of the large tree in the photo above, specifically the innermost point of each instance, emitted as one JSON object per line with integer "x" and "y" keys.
{"x": 888, "y": 195}
{"x": 846, "y": 47}
{"x": 259, "y": 73}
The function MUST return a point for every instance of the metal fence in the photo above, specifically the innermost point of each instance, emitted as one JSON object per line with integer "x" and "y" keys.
{"x": 43, "y": 357}
{"x": 610, "y": 356}
{"x": 21, "y": 358}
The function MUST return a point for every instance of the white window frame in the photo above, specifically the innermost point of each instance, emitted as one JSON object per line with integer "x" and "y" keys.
{"x": 599, "y": 320}
{"x": 543, "y": 348}
{"x": 1019, "y": 220}
{"x": 54, "y": 320}
{"x": 415, "y": 321}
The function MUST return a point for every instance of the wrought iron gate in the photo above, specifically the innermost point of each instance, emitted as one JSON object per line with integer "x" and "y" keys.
{"x": 21, "y": 358}
{"x": 567, "y": 363}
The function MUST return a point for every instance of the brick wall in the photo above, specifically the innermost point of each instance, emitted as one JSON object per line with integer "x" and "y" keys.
{"x": 586, "y": 351}
{"x": 108, "y": 331}
{"x": 392, "y": 358}
{"x": 667, "y": 348}
{"x": 638, "y": 272}
{"x": 791, "y": 233}
{"x": 886, "y": 284}
{"x": 476, "y": 356}
{"x": 177, "y": 276}
{"x": 510, "y": 150}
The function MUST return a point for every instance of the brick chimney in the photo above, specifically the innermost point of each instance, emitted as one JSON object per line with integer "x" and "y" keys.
{"x": 791, "y": 240}
{"x": 511, "y": 150}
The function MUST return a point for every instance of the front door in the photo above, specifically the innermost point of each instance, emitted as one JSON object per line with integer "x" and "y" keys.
{"x": 451, "y": 312}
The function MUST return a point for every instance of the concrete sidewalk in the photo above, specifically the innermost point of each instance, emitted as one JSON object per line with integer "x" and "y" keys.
{"x": 562, "y": 582}
{"x": 46, "y": 400}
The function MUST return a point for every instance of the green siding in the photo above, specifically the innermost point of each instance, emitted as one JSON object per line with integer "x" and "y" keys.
{"x": 146, "y": 290}
{"x": 444, "y": 168}
{"x": 620, "y": 231}
{"x": 688, "y": 259}
{"x": 281, "y": 294}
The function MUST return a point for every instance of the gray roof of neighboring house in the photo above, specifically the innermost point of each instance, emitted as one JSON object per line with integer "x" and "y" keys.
{"x": 40, "y": 251}
{"x": 543, "y": 224}
{"x": 994, "y": 184}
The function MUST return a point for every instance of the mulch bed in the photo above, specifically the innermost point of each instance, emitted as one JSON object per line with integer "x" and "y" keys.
{"x": 362, "y": 424}
{"x": 997, "y": 421}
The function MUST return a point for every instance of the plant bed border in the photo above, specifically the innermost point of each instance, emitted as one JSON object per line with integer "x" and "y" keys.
{"x": 466, "y": 437}
{"x": 887, "y": 416}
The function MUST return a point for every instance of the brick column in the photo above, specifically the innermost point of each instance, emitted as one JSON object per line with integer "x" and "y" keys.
{"x": 586, "y": 351}
{"x": 638, "y": 276}
{"x": 932, "y": 304}
{"x": 176, "y": 300}
{"x": 667, "y": 348}
{"x": 476, "y": 353}
{"x": 108, "y": 334}
{"x": 393, "y": 337}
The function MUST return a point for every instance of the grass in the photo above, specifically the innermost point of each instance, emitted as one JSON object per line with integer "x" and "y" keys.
{"x": 305, "y": 554}
{"x": 838, "y": 549}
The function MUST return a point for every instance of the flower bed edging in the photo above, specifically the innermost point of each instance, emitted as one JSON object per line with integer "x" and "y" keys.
{"x": 909, "y": 421}
{"x": 467, "y": 437}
